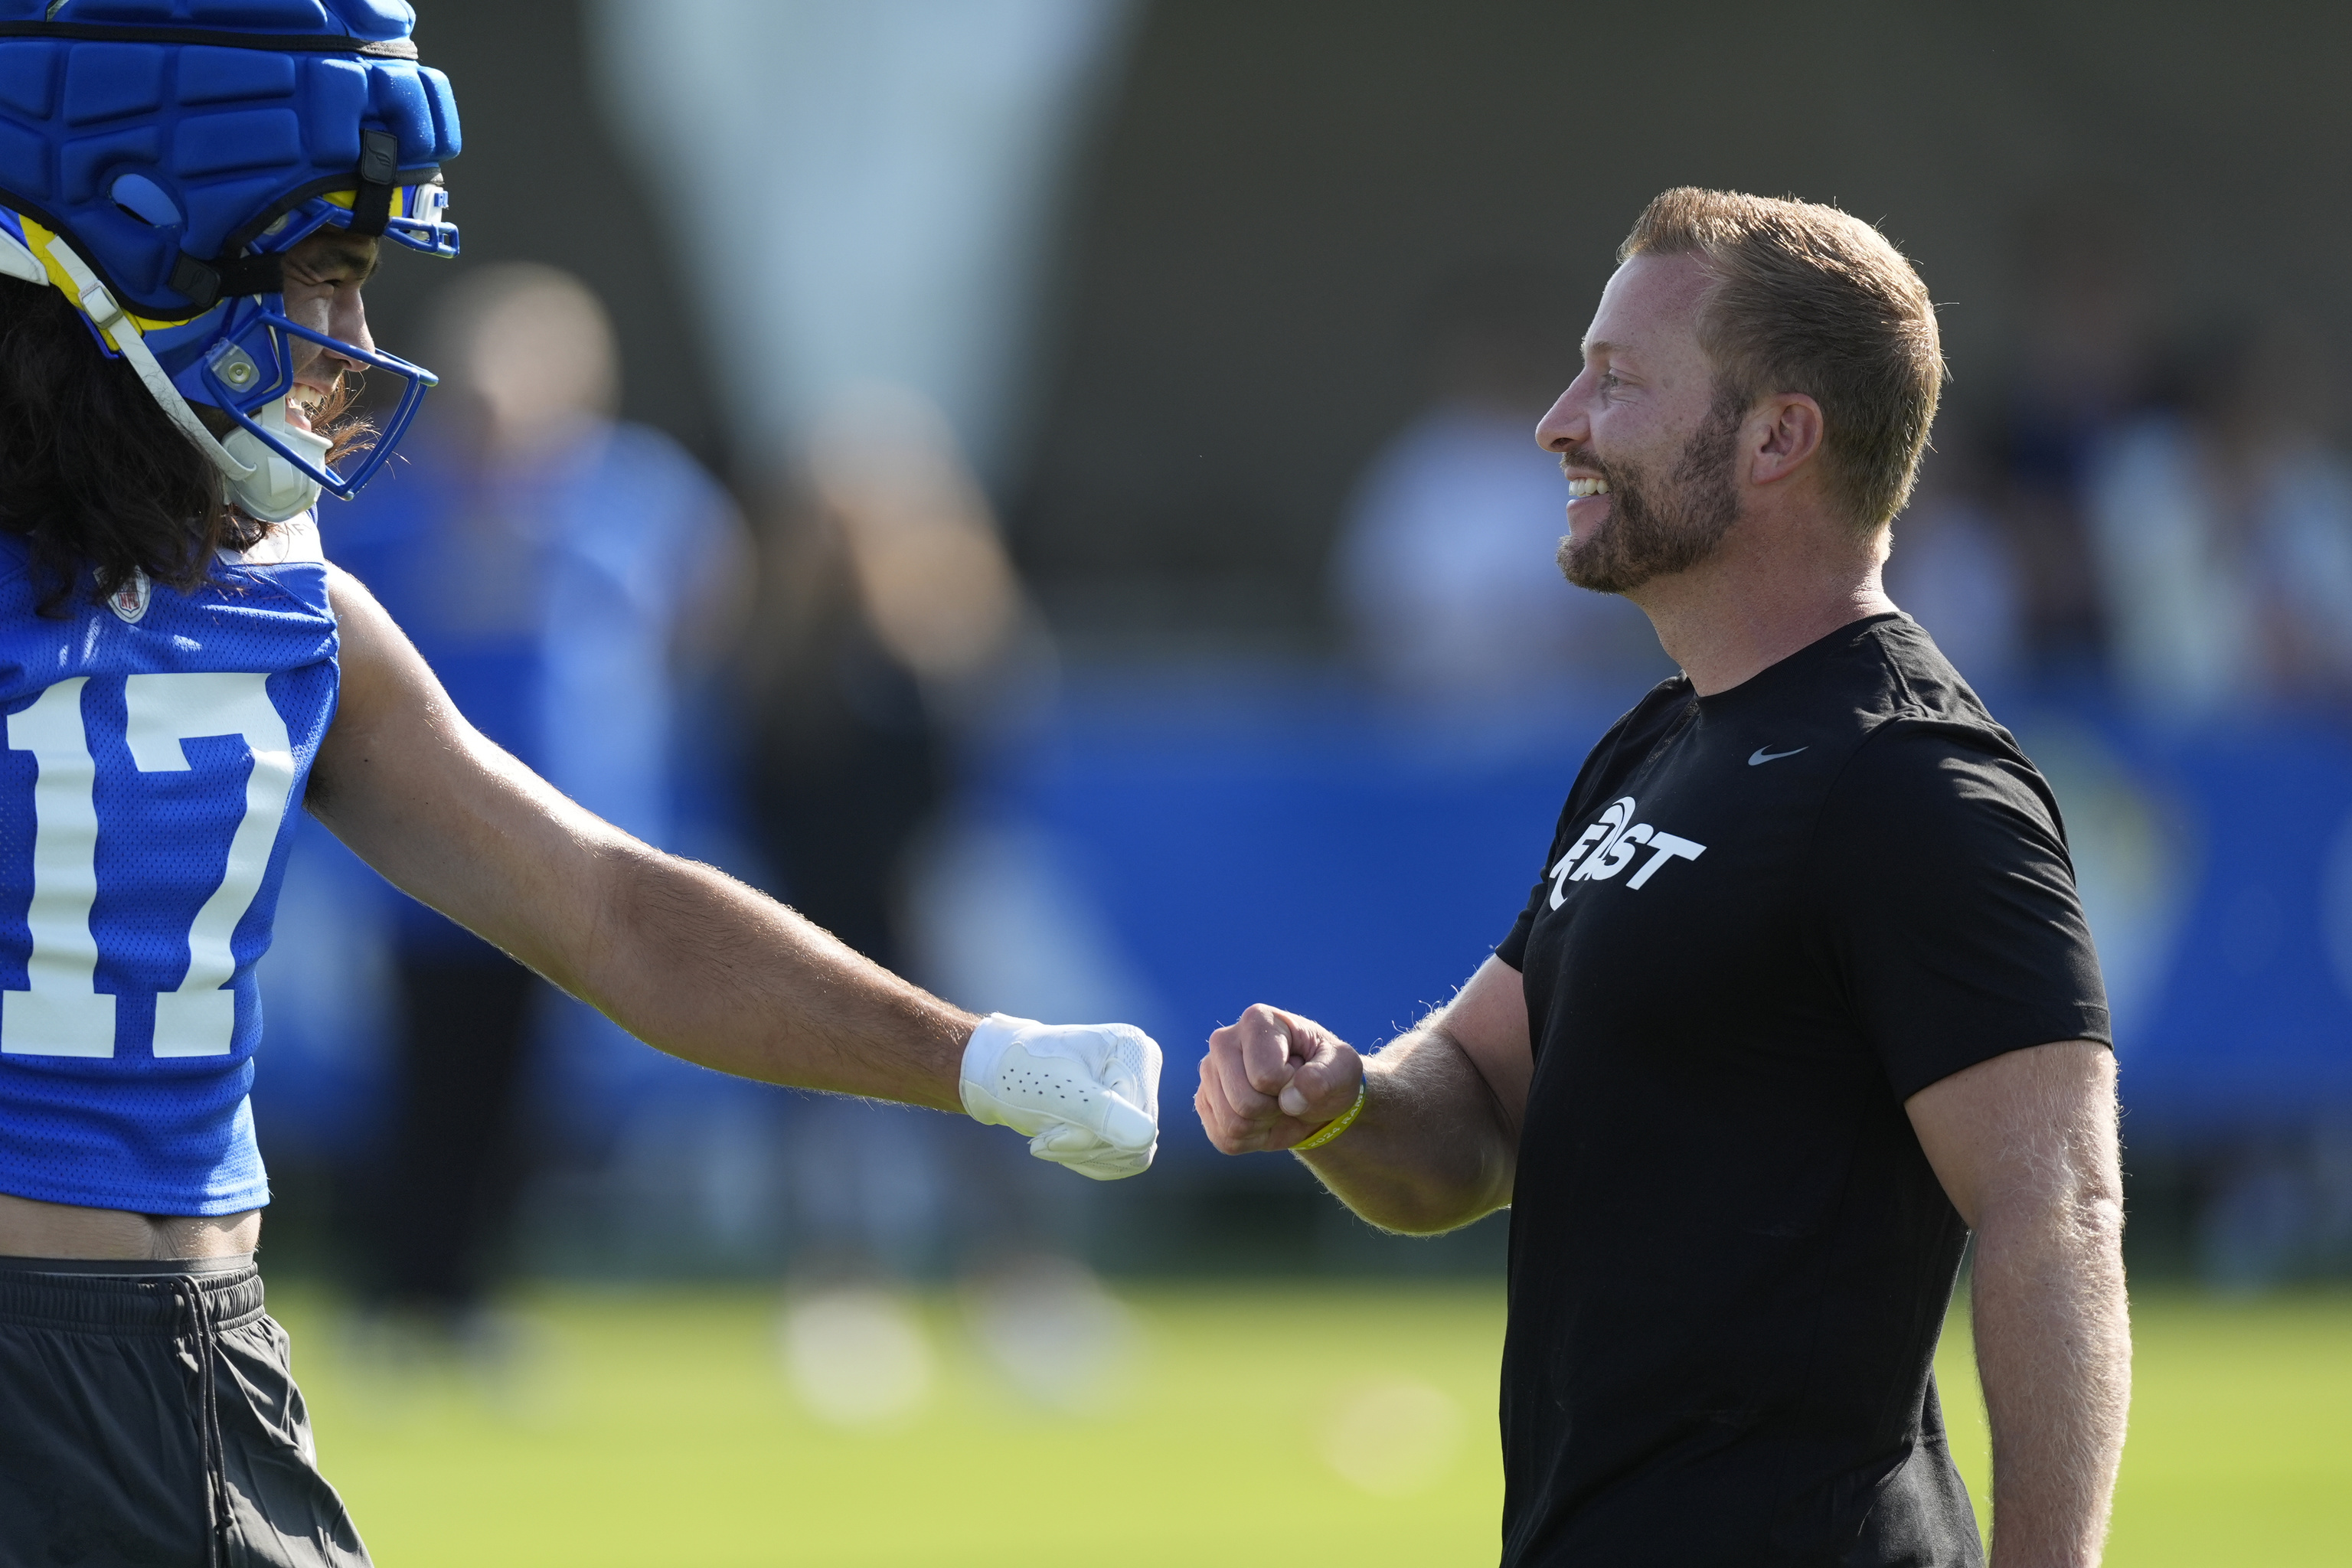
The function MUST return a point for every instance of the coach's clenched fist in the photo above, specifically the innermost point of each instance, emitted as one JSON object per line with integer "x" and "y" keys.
{"x": 1272, "y": 1079}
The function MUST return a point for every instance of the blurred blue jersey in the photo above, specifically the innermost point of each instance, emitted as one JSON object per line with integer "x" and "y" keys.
{"x": 156, "y": 746}
{"x": 546, "y": 599}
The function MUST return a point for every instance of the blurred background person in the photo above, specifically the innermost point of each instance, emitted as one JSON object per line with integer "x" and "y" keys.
{"x": 890, "y": 611}
{"x": 1955, "y": 567}
{"x": 2087, "y": 352}
{"x": 572, "y": 580}
{"x": 889, "y": 617}
{"x": 2221, "y": 528}
{"x": 1443, "y": 570}
{"x": 895, "y": 167}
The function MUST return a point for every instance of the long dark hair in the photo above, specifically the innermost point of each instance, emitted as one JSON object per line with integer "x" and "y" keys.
{"x": 93, "y": 474}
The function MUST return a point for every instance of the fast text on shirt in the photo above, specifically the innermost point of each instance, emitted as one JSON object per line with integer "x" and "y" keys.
{"x": 1608, "y": 846}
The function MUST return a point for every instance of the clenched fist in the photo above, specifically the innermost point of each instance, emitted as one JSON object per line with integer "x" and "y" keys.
{"x": 1271, "y": 1079}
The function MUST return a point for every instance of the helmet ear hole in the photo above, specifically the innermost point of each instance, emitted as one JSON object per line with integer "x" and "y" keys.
{"x": 145, "y": 200}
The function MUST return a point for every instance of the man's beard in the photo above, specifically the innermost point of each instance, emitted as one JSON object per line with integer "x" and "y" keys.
{"x": 1654, "y": 530}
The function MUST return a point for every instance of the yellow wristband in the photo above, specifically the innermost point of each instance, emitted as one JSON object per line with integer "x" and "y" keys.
{"x": 1331, "y": 1130}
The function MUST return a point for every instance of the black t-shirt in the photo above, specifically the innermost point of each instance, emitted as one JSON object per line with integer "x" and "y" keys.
{"x": 1770, "y": 917}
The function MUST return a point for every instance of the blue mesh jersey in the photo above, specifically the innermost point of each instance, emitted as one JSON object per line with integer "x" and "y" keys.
{"x": 156, "y": 746}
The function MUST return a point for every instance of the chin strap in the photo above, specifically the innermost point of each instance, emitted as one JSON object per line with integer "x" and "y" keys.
{"x": 268, "y": 488}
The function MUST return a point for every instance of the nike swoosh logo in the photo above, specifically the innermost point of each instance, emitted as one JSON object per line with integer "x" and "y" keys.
{"x": 1764, "y": 756}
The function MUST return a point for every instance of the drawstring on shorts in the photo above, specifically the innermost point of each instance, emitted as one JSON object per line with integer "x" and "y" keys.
{"x": 203, "y": 1335}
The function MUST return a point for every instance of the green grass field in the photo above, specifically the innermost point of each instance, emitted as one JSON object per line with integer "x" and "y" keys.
{"x": 656, "y": 1428}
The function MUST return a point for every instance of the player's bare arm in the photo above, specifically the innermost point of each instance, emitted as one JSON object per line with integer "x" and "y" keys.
{"x": 1435, "y": 1143}
{"x": 2025, "y": 1145}
{"x": 680, "y": 955}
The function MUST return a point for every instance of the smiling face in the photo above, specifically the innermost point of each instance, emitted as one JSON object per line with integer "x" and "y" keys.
{"x": 1646, "y": 441}
{"x": 323, "y": 277}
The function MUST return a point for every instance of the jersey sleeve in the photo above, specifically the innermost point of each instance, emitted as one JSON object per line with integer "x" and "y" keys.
{"x": 1948, "y": 907}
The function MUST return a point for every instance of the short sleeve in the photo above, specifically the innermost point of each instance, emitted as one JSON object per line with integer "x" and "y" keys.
{"x": 1947, "y": 904}
{"x": 1513, "y": 949}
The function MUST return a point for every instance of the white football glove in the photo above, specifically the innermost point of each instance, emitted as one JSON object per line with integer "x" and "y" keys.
{"x": 1085, "y": 1095}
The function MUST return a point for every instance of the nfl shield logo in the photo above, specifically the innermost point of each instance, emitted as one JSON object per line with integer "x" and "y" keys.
{"x": 130, "y": 601}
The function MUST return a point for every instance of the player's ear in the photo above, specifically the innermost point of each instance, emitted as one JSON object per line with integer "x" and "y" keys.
{"x": 1786, "y": 428}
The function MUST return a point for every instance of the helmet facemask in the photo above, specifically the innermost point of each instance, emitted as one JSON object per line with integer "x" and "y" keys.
{"x": 244, "y": 365}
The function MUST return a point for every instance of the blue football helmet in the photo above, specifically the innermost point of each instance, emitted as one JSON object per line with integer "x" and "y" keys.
{"x": 158, "y": 158}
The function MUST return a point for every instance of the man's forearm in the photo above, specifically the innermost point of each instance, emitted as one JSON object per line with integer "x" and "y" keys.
{"x": 2054, "y": 1349}
{"x": 1430, "y": 1151}
{"x": 695, "y": 962}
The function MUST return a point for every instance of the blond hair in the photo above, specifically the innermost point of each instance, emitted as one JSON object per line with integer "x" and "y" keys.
{"x": 1806, "y": 299}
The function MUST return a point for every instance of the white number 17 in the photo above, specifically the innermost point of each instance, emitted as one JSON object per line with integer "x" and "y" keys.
{"x": 60, "y": 1014}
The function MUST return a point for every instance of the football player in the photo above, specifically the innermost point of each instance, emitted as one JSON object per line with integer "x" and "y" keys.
{"x": 193, "y": 193}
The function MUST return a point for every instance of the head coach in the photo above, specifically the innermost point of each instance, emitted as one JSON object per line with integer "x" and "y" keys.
{"x": 1802, "y": 996}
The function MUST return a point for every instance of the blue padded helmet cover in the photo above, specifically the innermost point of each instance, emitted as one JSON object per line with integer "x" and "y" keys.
{"x": 143, "y": 128}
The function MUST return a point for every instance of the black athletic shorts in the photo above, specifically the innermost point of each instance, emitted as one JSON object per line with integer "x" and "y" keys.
{"x": 148, "y": 1415}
